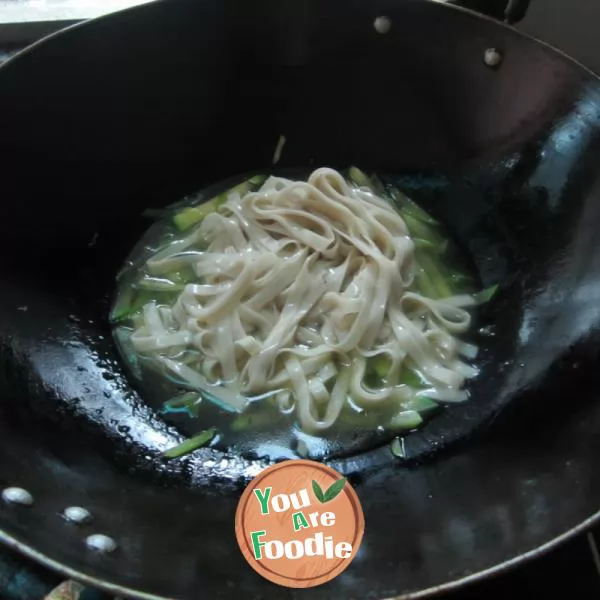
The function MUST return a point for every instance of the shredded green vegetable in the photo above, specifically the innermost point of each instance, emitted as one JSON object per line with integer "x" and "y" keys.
{"x": 423, "y": 404}
{"x": 411, "y": 208}
{"x": 121, "y": 309}
{"x": 188, "y": 217}
{"x": 192, "y": 444}
{"x": 397, "y": 447}
{"x": 123, "y": 337}
{"x": 429, "y": 246}
{"x": 257, "y": 180}
{"x": 192, "y": 215}
{"x": 422, "y": 230}
{"x": 424, "y": 283}
{"x": 381, "y": 364}
{"x": 358, "y": 177}
{"x": 158, "y": 284}
{"x": 485, "y": 295}
{"x": 187, "y": 403}
{"x": 411, "y": 377}
{"x": 405, "y": 420}
{"x": 460, "y": 281}
{"x": 439, "y": 281}
{"x": 131, "y": 302}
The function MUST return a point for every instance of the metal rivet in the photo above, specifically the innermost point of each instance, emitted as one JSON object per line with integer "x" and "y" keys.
{"x": 492, "y": 58}
{"x": 382, "y": 24}
{"x": 77, "y": 514}
{"x": 100, "y": 543}
{"x": 17, "y": 495}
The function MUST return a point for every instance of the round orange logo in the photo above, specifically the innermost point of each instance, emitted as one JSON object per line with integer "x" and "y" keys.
{"x": 299, "y": 523}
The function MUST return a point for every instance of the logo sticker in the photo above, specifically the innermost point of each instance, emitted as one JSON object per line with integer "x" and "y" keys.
{"x": 299, "y": 523}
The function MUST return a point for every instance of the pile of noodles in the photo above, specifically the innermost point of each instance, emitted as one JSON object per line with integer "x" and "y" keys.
{"x": 299, "y": 285}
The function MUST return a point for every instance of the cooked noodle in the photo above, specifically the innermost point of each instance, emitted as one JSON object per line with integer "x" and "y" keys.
{"x": 300, "y": 286}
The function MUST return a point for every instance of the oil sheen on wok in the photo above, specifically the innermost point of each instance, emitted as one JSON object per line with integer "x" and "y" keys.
{"x": 304, "y": 316}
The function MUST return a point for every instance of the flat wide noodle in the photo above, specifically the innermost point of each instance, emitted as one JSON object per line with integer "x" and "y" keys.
{"x": 301, "y": 285}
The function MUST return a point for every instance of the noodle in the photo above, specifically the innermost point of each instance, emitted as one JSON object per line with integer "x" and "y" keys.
{"x": 302, "y": 284}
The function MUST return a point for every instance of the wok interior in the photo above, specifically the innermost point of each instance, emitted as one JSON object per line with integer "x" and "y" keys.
{"x": 122, "y": 122}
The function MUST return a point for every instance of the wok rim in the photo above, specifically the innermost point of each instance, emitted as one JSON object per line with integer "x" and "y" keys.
{"x": 448, "y": 586}
{"x": 441, "y": 4}
{"x": 501, "y": 568}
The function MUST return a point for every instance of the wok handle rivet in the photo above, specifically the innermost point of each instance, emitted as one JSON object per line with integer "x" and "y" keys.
{"x": 17, "y": 495}
{"x": 77, "y": 514}
{"x": 100, "y": 543}
{"x": 492, "y": 58}
{"x": 382, "y": 24}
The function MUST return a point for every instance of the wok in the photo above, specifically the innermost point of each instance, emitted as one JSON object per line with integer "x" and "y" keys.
{"x": 133, "y": 111}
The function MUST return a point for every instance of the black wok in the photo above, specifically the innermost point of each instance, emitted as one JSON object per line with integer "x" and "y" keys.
{"x": 135, "y": 110}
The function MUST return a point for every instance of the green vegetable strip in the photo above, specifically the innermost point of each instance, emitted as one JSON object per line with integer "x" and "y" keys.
{"x": 177, "y": 267}
{"x": 405, "y": 420}
{"x": 381, "y": 365}
{"x": 123, "y": 337}
{"x": 122, "y": 307}
{"x": 185, "y": 275}
{"x": 425, "y": 245}
{"x": 421, "y": 230}
{"x": 411, "y": 208}
{"x": 358, "y": 177}
{"x": 132, "y": 303}
{"x": 188, "y": 217}
{"x": 187, "y": 402}
{"x": 410, "y": 377}
{"x": 257, "y": 180}
{"x": 158, "y": 284}
{"x": 192, "y": 215}
{"x": 378, "y": 188}
{"x": 485, "y": 295}
{"x": 429, "y": 246}
{"x": 397, "y": 448}
{"x": 422, "y": 404}
{"x": 192, "y": 444}
{"x": 424, "y": 283}
{"x": 439, "y": 280}
{"x": 461, "y": 283}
